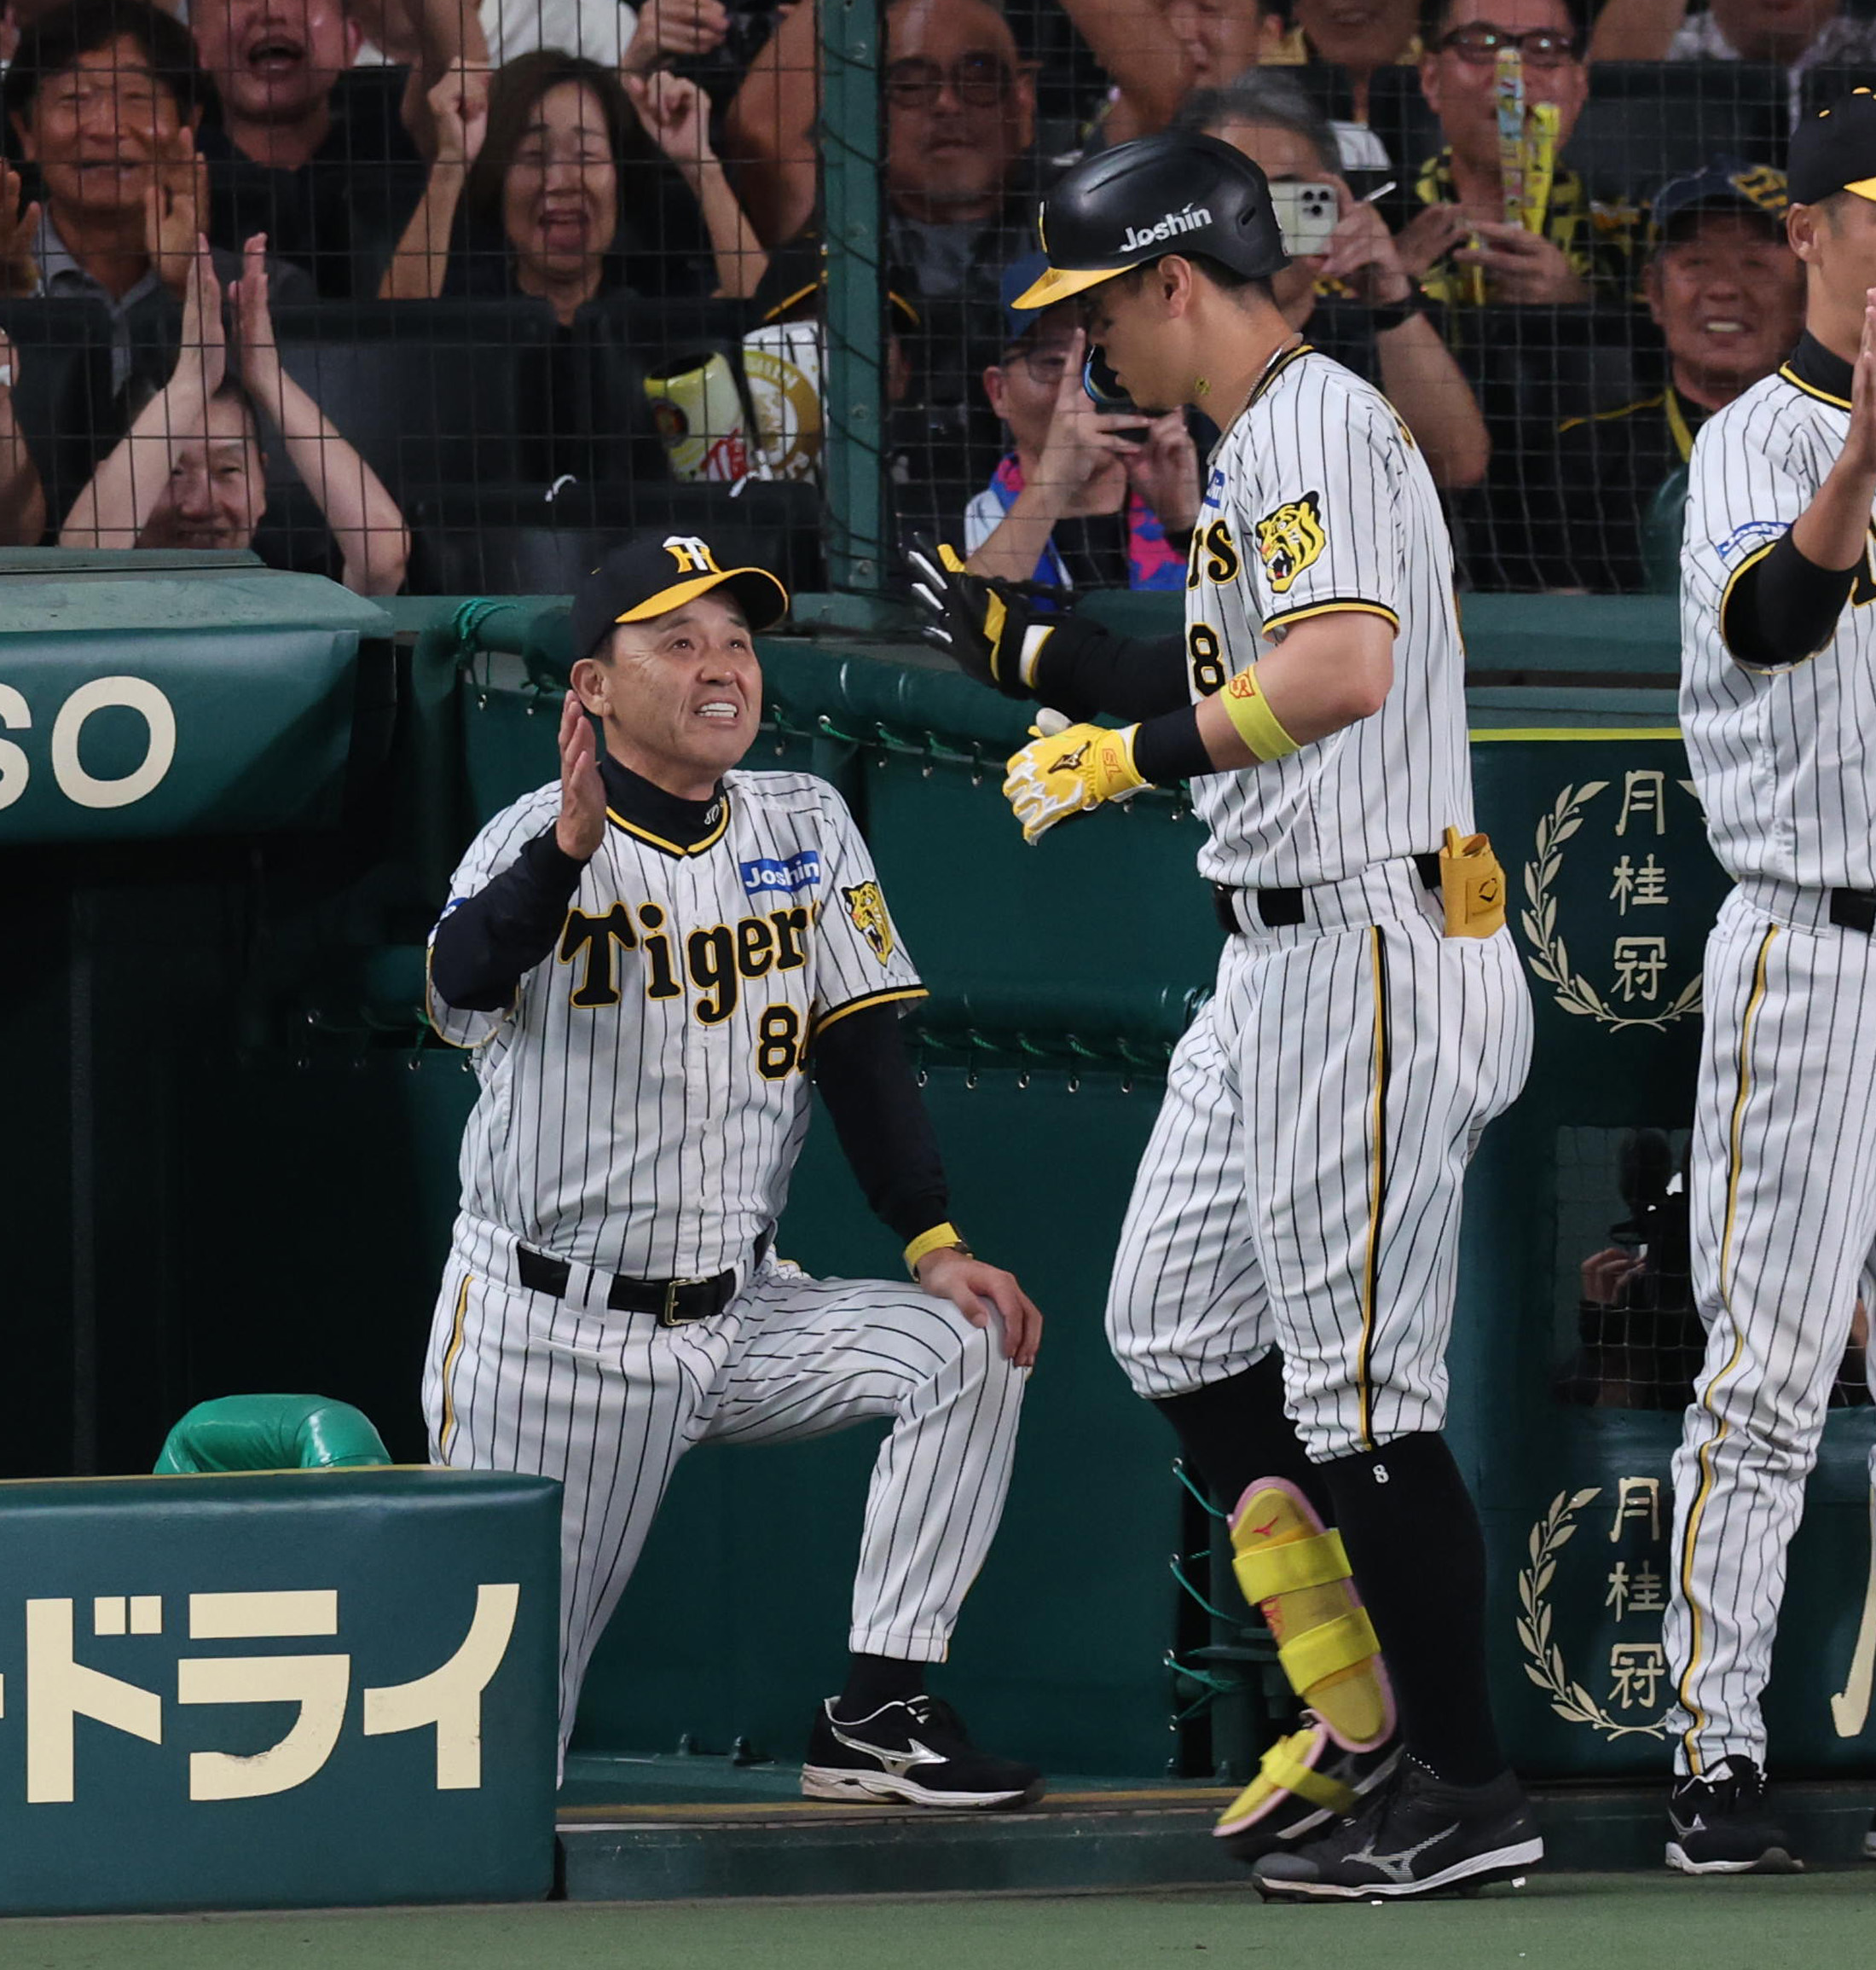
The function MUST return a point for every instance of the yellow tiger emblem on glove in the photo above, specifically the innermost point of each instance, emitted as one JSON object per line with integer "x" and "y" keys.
{"x": 868, "y": 907}
{"x": 1290, "y": 539}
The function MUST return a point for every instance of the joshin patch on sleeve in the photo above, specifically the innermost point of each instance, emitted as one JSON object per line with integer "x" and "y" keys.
{"x": 1745, "y": 540}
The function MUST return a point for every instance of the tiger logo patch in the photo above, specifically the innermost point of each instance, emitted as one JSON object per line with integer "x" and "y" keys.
{"x": 868, "y": 907}
{"x": 1290, "y": 539}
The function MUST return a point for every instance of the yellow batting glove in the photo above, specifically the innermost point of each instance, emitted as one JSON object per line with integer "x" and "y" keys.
{"x": 1070, "y": 773}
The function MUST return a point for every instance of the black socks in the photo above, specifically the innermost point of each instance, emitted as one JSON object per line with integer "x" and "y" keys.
{"x": 874, "y": 1681}
{"x": 1414, "y": 1546}
{"x": 1234, "y": 1431}
{"x": 1419, "y": 1559}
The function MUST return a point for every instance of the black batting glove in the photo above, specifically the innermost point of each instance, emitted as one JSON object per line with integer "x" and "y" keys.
{"x": 992, "y": 630}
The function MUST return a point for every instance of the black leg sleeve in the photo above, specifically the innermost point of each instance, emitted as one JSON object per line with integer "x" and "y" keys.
{"x": 1232, "y": 1433}
{"x": 1419, "y": 1560}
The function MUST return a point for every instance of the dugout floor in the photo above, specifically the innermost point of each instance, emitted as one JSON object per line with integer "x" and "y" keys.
{"x": 684, "y": 1829}
{"x": 1558, "y": 1922}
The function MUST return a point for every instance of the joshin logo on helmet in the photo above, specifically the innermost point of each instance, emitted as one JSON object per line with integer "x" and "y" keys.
{"x": 1168, "y": 227}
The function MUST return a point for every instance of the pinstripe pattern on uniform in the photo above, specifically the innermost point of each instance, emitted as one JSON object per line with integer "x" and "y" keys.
{"x": 1302, "y": 1185}
{"x": 1255, "y": 1218}
{"x": 703, "y": 1169}
{"x": 1777, "y": 803}
{"x": 1186, "y": 1304}
{"x": 1703, "y": 1457}
{"x": 1377, "y": 1191}
{"x": 1387, "y": 785}
{"x": 1783, "y": 1182}
{"x": 447, "y": 1369}
{"x": 1783, "y": 1224}
{"x": 608, "y": 1403}
{"x": 632, "y": 1134}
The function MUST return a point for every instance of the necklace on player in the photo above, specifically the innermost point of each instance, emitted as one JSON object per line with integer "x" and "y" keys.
{"x": 1201, "y": 386}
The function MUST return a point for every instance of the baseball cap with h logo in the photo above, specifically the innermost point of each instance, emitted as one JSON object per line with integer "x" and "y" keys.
{"x": 656, "y": 573}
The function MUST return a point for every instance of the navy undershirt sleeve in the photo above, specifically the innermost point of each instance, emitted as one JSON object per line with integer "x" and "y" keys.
{"x": 866, "y": 1078}
{"x": 486, "y": 944}
{"x": 1784, "y": 608}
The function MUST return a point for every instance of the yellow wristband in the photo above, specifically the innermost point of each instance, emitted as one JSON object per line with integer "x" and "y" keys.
{"x": 1250, "y": 714}
{"x": 926, "y": 1242}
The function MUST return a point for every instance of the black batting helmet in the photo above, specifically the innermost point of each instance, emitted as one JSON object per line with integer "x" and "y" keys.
{"x": 1180, "y": 192}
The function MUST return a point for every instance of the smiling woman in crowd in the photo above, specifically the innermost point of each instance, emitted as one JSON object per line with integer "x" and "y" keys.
{"x": 559, "y": 189}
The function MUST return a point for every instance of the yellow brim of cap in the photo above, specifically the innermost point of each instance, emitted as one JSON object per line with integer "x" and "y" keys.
{"x": 1864, "y": 188}
{"x": 1058, "y": 283}
{"x": 680, "y": 593}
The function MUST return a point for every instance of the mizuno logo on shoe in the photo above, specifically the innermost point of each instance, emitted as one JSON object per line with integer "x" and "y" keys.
{"x": 898, "y": 1762}
{"x": 1399, "y": 1867}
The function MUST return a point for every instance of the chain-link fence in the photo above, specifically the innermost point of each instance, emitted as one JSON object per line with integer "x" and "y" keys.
{"x": 1628, "y": 1334}
{"x": 436, "y": 298}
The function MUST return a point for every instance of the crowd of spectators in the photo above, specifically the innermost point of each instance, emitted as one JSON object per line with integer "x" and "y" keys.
{"x": 586, "y": 240}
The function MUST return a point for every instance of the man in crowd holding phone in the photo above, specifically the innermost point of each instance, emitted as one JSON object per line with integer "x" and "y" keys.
{"x": 1086, "y": 499}
{"x": 1376, "y": 322}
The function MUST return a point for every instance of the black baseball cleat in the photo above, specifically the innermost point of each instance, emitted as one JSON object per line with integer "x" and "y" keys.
{"x": 915, "y": 1752}
{"x": 1719, "y": 1824}
{"x": 1416, "y": 1836}
{"x": 1869, "y": 1842}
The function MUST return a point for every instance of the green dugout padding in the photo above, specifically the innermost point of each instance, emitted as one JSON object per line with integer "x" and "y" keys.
{"x": 277, "y": 1691}
{"x": 271, "y": 1433}
{"x": 142, "y": 708}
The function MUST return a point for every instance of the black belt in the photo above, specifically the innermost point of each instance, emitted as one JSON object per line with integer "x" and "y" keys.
{"x": 676, "y": 1302}
{"x": 1276, "y": 909}
{"x": 1854, "y": 910}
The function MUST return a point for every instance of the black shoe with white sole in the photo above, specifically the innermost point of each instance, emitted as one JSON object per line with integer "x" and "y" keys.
{"x": 1720, "y": 1824}
{"x": 1869, "y": 1842}
{"x": 1416, "y": 1836}
{"x": 915, "y": 1752}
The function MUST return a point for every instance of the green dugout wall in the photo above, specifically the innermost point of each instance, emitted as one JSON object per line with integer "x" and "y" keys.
{"x": 229, "y": 1157}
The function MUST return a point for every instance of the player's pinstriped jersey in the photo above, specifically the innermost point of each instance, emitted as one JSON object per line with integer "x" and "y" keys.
{"x": 643, "y": 1103}
{"x": 1317, "y": 499}
{"x": 1782, "y": 758}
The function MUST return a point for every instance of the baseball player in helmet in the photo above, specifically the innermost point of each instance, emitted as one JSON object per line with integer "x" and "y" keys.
{"x": 1285, "y": 1280}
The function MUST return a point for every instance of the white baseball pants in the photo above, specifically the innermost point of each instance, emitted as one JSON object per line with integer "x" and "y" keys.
{"x": 1302, "y": 1185}
{"x": 607, "y": 1403}
{"x": 1783, "y": 1221}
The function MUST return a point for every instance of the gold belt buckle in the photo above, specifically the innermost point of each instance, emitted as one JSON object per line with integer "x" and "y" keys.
{"x": 669, "y": 1315}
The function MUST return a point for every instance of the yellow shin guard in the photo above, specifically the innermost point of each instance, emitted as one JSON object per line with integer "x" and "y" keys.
{"x": 1288, "y": 1770}
{"x": 1298, "y": 1574}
